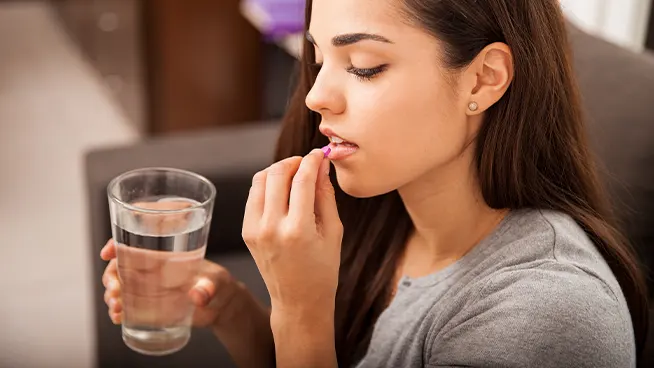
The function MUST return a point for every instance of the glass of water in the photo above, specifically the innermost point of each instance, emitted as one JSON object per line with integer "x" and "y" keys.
{"x": 160, "y": 220}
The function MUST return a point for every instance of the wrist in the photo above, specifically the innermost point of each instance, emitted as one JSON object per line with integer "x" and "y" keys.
{"x": 304, "y": 338}
{"x": 308, "y": 308}
{"x": 243, "y": 327}
{"x": 237, "y": 309}
{"x": 313, "y": 323}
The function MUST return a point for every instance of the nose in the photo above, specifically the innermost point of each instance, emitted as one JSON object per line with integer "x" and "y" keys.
{"x": 326, "y": 97}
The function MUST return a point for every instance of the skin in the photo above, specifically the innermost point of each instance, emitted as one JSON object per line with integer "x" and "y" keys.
{"x": 411, "y": 122}
{"x": 222, "y": 303}
{"x": 415, "y": 134}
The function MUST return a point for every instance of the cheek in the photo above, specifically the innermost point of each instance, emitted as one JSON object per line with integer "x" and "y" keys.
{"x": 403, "y": 133}
{"x": 410, "y": 115}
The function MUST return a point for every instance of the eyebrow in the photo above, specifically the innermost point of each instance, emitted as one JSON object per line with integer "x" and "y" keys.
{"x": 351, "y": 38}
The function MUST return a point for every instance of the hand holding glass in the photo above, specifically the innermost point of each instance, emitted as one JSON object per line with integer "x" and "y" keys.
{"x": 160, "y": 221}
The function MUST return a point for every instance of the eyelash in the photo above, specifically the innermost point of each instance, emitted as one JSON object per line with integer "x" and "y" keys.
{"x": 362, "y": 74}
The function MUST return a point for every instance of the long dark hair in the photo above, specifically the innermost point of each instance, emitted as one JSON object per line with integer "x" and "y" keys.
{"x": 531, "y": 152}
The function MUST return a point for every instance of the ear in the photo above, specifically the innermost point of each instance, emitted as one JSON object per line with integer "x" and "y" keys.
{"x": 489, "y": 76}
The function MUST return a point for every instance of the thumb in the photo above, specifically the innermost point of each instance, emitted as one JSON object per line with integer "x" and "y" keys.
{"x": 326, "y": 209}
{"x": 203, "y": 291}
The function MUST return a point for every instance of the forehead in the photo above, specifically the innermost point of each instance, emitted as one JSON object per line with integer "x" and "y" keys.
{"x": 331, "y": 17}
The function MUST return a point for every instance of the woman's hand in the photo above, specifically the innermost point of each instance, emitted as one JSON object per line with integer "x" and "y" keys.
{"x": 294, "y": 233}
{"x": 222, "y": 303}
{"x": 211, "y": 294}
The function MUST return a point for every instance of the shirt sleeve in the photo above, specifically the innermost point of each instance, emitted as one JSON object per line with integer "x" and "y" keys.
{"x": 552, "y": 315}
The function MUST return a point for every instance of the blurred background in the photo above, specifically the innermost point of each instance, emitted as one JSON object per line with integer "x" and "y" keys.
{"x": 624, "y": 22}
{"x": 91, "y": 88}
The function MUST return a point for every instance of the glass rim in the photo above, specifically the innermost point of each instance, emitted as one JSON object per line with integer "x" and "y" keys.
{"x": 114, "y": 181}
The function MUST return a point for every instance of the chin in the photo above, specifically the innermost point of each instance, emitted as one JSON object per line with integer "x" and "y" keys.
{"x": 356, "y": 192}
{"x": 358, "y": 188}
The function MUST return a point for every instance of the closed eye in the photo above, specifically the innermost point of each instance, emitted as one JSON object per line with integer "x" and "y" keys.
{"x": 363, "y": 74}
{"x": 366, "y": 74}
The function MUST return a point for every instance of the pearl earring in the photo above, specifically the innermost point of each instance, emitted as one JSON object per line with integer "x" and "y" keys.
{"x": 473, "y": 106}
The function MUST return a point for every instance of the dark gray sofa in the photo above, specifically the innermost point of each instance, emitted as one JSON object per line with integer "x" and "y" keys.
{"x": 618, "y": 93}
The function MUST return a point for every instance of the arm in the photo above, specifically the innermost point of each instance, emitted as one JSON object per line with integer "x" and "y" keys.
{"x": 292, "y": 229}
{"x": 551, "y": 316}
{"x": 304, "y": 338}
{"x": 244, "y": 329}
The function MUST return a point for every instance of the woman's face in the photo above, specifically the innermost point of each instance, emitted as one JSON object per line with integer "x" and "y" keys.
{"x": 382, "y": 86}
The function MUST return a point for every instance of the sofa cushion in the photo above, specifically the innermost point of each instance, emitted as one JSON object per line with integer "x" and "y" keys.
{"x": 617, "y": 86}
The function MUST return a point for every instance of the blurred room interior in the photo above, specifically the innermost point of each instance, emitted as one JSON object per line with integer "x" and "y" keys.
{"x": 88, "y": 83}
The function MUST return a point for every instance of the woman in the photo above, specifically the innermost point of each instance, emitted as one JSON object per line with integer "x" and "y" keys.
{"x": 463, "y": 223}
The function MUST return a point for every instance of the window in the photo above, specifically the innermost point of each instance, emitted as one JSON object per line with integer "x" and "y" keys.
{"x": 620, "y": 21}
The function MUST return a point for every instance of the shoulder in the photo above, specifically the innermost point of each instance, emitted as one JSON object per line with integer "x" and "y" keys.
{"x": 555, "y": 239}
{"x": 553, "y": 305}
{"x": 550, "y": 315}
{"x": 532, "y": 237}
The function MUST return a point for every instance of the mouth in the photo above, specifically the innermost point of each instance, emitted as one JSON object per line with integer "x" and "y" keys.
{"x": 341, "y": 148}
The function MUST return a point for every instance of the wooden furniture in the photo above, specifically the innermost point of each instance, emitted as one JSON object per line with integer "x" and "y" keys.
{"x": 173, "y": 65}
{"x": 109, "y": 33}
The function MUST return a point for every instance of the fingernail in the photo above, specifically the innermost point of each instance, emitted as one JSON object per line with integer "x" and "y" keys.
{"x": 204, "y": 295}
{"x": 326, "y": 150}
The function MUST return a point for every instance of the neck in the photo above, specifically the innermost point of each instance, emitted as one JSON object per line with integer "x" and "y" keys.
{"x": 449, "y": 216}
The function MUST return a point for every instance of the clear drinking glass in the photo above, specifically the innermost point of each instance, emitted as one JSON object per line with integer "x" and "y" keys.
{"x": 160, "y": 220}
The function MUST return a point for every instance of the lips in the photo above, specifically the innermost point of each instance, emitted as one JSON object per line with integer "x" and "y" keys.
{"x": 340, "y": 147}
{"x": 335, "y": 138}
{"x": 340, "y": 151}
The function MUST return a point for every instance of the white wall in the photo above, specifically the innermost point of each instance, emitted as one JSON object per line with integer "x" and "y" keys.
{"x": 53, "y": 109}
{"x": 621, "y": 21}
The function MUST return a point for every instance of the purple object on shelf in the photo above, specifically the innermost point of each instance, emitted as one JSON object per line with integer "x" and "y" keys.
{"x": 275, "y": 18}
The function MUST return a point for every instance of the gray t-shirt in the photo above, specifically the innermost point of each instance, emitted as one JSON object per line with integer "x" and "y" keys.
{"x": 535, "y": 293}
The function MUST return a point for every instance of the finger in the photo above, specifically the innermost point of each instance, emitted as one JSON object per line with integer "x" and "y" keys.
{"x": 161, "y": 223}
{"x": 113, "y": 303}
{"x": 111, "y": 294}
{"x": 255, "y": 203}
{"x": 278, "y": 187}
{"x": 203, "y": 291}
{"x": 108, "y": 252}
{"x": 110, "y": 276}
{"x": 303, "y": 189}
{"x": 214, "y": 278}
{"x": 116, "y": 305}
{"x": 116, "y": 318}
{"x": 326, "y": 208}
